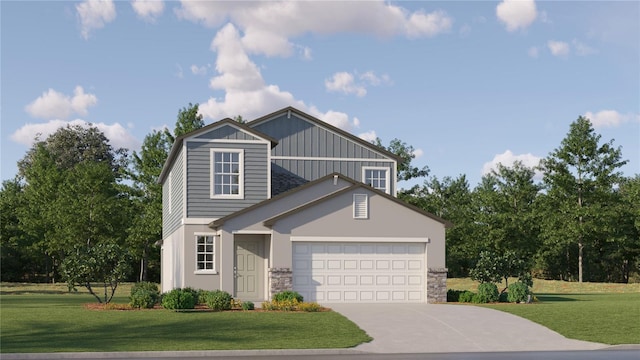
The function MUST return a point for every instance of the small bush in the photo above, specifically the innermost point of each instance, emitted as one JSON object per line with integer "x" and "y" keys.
{"x": 267, "y": 306}
{"x": 144, "y": 295}
{"x": 247, "y": 305}
{"x": 503, "y": 297}
{"x": 178, "y": 299}
{"x": 283, "y": 305}
{"x": 195, "y": 293}
{"x": 309, "y": 306}
{"x": 517, "y": 292}
{"x": 218, "y": 300}
{"x": 489, "y": 292}
{"x": 466, "y": 296}
{"x": 288, "y": 295}
{"x": 453, "y": 295}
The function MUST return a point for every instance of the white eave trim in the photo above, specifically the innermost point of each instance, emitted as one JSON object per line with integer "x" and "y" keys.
{"x": 198, "y": 221}
{"x": 329, "y": 158}
{"x": 360, "y": 239}
{"x": 252, "y": 232}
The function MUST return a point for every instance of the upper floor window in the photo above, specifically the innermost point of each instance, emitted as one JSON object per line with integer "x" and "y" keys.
{"x": 376, "y": 177}
{"x": 227, "y": 173}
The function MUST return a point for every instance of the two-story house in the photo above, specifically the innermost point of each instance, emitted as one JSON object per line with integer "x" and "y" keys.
{"x": 288, "y": 202}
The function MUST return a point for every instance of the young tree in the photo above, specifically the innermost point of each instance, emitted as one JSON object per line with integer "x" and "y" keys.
{"x": 188, "y": 120}
{"x": 579, "y": 178}
{"x": 146, "y": 228}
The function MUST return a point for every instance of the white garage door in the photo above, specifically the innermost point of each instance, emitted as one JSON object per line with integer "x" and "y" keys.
{"x": 359, "y": 272}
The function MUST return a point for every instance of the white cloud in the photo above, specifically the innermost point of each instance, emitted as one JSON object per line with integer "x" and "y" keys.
{"x": 117, "y": 134}
{"x": 517, "y": 14}
{"x": 199, "y": 70}
{"x": 610, "y": 118}
{"x": 148, "y": 10}
{"x": 508, "y": 158}
{"x": 348, "y": 83}
{"x": 558, "y": 48}
{"x": 246, "y": 92}
{"x": 95, "y": 14}
{"x": 369, "y": 136}
{"x": 582, "y": 49}
{"x": 268, "y": 26}
{"x": 533, "y": 51}
{"x": 418, "y": 153}
{"x": 344, "y": 82}
{"x": 52, "y": 104}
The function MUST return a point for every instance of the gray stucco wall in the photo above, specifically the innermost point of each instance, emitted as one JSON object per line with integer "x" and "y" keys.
{"x": 199, "y": 199}
{"x": 334, "y": 218}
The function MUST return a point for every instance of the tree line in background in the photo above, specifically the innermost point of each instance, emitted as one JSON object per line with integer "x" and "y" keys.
{"x": 83, "y": 212}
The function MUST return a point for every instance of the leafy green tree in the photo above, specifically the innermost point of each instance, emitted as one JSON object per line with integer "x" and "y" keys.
{"x": 579, "y": 179}
{"x": 493, "y": 268}
{"x": 188, "y": 120}
{"x": 405, "y": 170}
{"x": 451, "y": 199}
{"x": 71, "y": 192}
{"x": 107, "y": 264}
{"x": 146, "y": 228}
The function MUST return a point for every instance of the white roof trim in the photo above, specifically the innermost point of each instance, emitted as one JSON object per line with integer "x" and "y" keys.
{"x": 360, "y": 239}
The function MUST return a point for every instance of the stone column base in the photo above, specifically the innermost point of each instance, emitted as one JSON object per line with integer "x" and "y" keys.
{"x": 437, "y": 285}
{"x": 280, "y": 279}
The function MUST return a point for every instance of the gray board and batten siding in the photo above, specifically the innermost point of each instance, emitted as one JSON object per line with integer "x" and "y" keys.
{"x": 227, "y": 132}
{"x": 172, "y": 190}
{"x": 326, "y": 151}
{"x": 256, "y": 172}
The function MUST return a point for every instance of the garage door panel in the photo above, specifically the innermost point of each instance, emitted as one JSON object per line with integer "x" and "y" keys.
{"x": 359, "y": 272}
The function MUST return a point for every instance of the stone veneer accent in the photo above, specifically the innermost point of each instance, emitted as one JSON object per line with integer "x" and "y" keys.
{"x": 280, "y": 279}
{"x": 437, "y": 285}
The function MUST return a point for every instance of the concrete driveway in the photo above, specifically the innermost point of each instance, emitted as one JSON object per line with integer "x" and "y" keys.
{"x": 435, "y": 328}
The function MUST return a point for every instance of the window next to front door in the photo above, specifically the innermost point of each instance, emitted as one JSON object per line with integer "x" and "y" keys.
{"x": 205, "y": 254}
{"x": 227, "y": 174}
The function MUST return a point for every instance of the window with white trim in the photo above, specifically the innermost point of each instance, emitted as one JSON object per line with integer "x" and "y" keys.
{"x": 360, "y": 206}
{"x": 205, "y": 253}
{"x": 227, "y": 173}
{"x": 376, "y": 177}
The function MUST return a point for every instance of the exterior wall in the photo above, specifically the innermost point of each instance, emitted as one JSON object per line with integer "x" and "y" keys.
{"x": 226, "y": 132}
{"x": 310, "y": 151}
{"x": 172, "y": 270}
{"x": 256, "y": 178}
{"x": 298, "y": 137}
{"x": 334, "y": 219}
{"x": 192, "y": 278}
{"x": 173, "y": 198}
{"x": 314, "y": 169}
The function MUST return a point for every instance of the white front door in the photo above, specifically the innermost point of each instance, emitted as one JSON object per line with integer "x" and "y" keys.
{"x": 359, "y": 271}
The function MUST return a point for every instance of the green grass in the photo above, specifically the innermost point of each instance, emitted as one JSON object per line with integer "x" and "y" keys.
{"x": 49, "y": 321}
{"x": 598, "y": 312}
{"x": 603, "y": 318}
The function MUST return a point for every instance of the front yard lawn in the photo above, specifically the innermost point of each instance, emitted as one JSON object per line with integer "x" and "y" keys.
{"x": 60, "y": 323}
{"x": 604, "y": 318}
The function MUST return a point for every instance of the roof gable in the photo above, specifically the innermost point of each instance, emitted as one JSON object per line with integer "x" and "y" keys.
{"x": 224, "y": 129}
{"x": 289, "y": 120}
{"x": 357, "y": 185}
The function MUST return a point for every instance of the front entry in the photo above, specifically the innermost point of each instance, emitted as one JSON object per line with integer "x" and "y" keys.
{"x": 249, "y": 269}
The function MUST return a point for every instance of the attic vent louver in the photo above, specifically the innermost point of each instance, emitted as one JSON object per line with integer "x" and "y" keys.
{"x": 289, "y": 114}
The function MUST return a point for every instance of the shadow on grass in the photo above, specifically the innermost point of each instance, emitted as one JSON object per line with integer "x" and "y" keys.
{"x": 556, "y": 298}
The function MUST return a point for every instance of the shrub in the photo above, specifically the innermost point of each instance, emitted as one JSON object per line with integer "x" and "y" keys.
{"x": 489, "y": 292}
{"x": 288, "y": 295}
{"x": 267, "y": 306}
{"x": 466, "y": 296}
{"x": 196, "y": 293}
{"x": 309, "y": 306}
{"x": 282, "y": 305}
{"x": 247, "y": 305}
{"x": 218, "y": 300}
{"x": 144, "y": 295}
{"x": 517, "y": 292}
{"x": 453, "y": 295}
{"x": 479, "y": 299}
{"x": 503, "y": 297}
{"x": 178, "y": 299}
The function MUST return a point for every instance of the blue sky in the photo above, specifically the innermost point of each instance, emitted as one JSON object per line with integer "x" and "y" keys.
{"x": 468, "y": 84}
